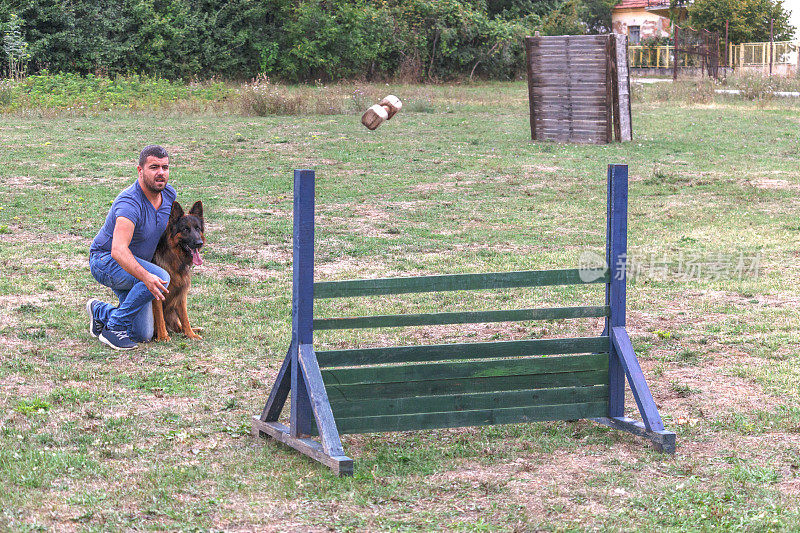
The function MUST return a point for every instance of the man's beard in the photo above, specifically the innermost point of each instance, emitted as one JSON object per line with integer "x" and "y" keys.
{"x": 155, "y": 186}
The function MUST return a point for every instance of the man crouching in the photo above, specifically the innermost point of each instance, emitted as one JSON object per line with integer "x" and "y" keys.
{"x": 121, "y": 255}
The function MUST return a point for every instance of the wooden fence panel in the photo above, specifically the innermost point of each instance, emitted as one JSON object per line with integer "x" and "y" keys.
{"x": 573, "y": 88}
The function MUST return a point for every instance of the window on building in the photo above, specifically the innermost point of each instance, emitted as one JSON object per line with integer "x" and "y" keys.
{"x": 633, "y": 34}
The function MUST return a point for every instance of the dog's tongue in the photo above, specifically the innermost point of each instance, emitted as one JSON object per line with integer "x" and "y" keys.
{"x": 196, "y": 259}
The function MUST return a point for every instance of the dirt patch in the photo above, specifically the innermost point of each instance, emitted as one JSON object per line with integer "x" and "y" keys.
{"x": 12, "y": 301}
{"x": 319, "y": 162}
{"x": 260, "y": 508}
{"x": 368, "y": 228}
{"x": 537, "y": 482}
{"x": 561, "y": 481}
{"x": 71, "y": 262}
{"x": 19, "y": 387}
{"x": 710, "y": 395}
{"x": 156, "y": 403}
{"x": 21, "y": 236}
{"x": 26, "y": 182}
{"x": 84, "y": 177}
{"x": 367, "y": 220}
{"x": 690, "y": 312}
{"x": 669, "y": 319}
{"x": 470, "y": 332}
{"x": 778, "y": 300}
{"x": 773, "y": 184}
{"x": 721, "y": 452}
{"x": 710, "y": 389}
{"x": 790, "y": 487}
{"x": 459, "y": 176}
{"x": 128, "y": 164}
{"x": 13, "y": 344}
{"x": 235, "y": 271}
{"x": 531, "y": 170}
{"x": 250, "y": 212}
{"x": 543, "y": 482}
{"x": 270, "y": 253}
{"x": 279, "y": 253}
{"x": 438, "y": 186}
{"x": 356, "y": 267}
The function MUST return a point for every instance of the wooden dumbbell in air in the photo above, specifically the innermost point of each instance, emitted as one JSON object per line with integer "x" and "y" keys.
{"x": 383, "y": 110}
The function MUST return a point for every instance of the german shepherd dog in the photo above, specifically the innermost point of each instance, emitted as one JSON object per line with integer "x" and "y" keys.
{"x": 177, "y": 250}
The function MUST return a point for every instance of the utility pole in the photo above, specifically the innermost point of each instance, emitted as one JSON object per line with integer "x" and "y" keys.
{"x": 675, "y": 52}
{"x": 727, "y": 55}
{"x": 771, "y": 45}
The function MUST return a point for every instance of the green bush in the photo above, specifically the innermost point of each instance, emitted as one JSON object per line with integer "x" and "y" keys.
{"x": 295, "y": 41}
{"x": 66, "y": 91}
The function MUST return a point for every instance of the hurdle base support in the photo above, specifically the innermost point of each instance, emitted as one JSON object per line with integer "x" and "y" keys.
{"x": 341, "y": 465}
{"x": 663, "y": 441}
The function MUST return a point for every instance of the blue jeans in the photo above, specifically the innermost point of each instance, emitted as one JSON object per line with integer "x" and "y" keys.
{"x": 135, "y": 311}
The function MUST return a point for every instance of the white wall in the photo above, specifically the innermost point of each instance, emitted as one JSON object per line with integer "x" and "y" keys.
{"x": 794, "y": 7}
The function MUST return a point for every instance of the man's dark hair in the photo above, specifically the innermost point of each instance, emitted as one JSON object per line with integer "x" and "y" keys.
{"x": 152, "y": 150}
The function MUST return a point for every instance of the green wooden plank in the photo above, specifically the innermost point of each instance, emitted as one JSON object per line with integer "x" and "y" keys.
{"x": 469, "y": 402}
{"x": 365, "y": 391}
{"x": 476, "y": 350}
{"x": 458, "y": 282}
{"x": 467, "y": 317}
{"x": 513, "y": 415}
{"x": 461, "y": 370}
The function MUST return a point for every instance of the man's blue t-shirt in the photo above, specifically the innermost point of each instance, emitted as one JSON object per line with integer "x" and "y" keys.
{"x": 149, "y": 224}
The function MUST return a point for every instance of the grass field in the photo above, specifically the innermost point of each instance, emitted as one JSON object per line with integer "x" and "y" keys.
{"x": 158, "y": 438}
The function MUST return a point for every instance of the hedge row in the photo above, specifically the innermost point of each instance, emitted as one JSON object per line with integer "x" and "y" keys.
{"x": 289, "y": 40}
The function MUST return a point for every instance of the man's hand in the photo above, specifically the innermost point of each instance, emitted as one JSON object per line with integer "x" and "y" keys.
{"x": 155, "y": 285}
{"x": 120, "y": 251}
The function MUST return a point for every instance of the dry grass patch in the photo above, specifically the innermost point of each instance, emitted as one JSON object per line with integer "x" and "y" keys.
{"x": 348, "y": 267}
{"x": 442, "y": 186}
{"x": 233, "y": 271}
{"x": 26, "y": 182}
{"x": 773, "y": 184}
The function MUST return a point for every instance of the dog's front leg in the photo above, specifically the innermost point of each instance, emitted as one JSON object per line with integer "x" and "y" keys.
{"x": 183, "y": 315}
{"x": 158, "y": 321}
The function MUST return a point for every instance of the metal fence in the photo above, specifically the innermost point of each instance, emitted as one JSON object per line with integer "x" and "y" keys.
{"x": 782, "y": 55}
{"x": 748, "y": 56}
{"x": 650, "y": 56}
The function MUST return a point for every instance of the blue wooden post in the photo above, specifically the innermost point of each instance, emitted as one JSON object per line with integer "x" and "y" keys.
{"x": 622, "y": 361}
{"x": 300, "y": 371}
{"x": 641, "y": 392}
{"x": 280, "y": 391}
{"x": 301, "y": 416}
{"x": 616, "y": 257}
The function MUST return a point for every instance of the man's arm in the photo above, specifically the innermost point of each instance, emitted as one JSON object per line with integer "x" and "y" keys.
{"x": 120, "y": 251}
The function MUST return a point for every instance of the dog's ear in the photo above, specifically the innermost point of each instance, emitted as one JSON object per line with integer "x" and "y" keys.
{"x": 176, "y": 213}
{"x": 197, "y": 209}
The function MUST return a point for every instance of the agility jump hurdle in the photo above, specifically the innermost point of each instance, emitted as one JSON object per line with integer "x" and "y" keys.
{"x": 403, "y": 388}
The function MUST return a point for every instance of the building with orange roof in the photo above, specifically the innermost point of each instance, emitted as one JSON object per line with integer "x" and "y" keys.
{"x": 643, "y": 19}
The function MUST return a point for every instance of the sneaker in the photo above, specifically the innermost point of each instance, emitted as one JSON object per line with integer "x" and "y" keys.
{"x": 95, "y": 326}
{"x": 117, "y": 339}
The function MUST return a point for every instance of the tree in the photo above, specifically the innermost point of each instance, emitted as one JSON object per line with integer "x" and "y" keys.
{"x": 15, "y": 48}
{"x": 572, "y": 17}
{"x": 598, "y": 15}
{"x": 296, "y": 40}
{"x": 517, "y": 9}
{"x": 568, "y": 19}
{"x": 748, "y": 19}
